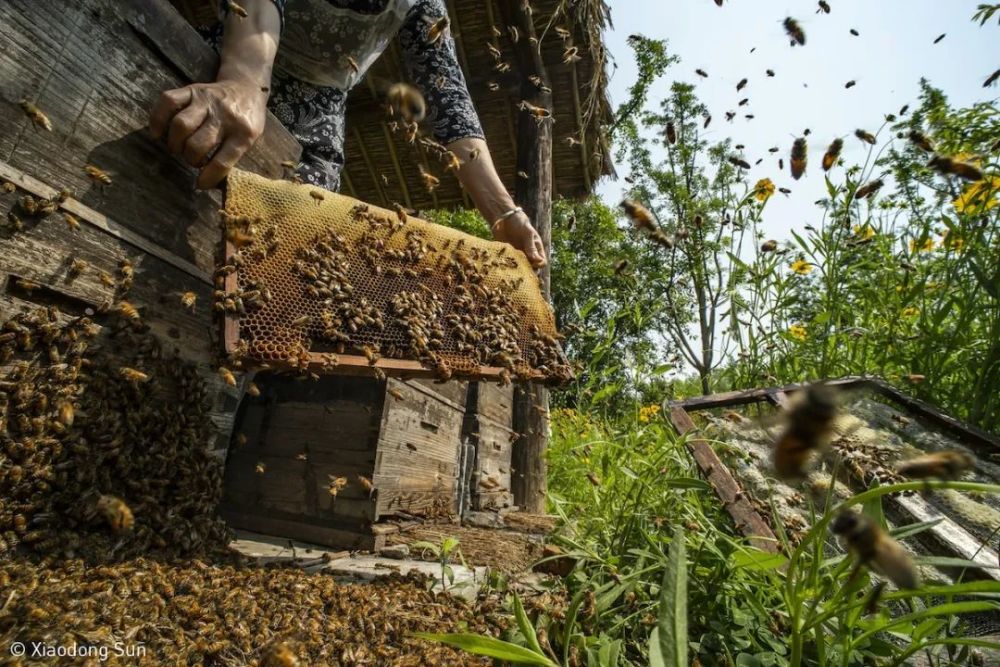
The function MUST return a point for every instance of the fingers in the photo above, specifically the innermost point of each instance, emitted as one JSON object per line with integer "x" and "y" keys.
{"x": 201, "y": 144}
{"x": 223, "y": 161}
{"x": 537, "y": 258}
{"x": 185, "y": 123}
{"x": 170, "y": 102}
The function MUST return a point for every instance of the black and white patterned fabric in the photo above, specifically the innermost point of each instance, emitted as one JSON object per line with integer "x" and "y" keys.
{"x": 314, "y": 114}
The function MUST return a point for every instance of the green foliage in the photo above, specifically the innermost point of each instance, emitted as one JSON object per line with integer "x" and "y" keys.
{"x": 464, "y": 219}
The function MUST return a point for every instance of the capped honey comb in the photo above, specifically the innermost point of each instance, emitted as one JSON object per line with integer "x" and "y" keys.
{"x": 319, "y": 281}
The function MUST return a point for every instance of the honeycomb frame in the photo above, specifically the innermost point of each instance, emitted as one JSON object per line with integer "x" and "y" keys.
{"x": 320, "y": 282}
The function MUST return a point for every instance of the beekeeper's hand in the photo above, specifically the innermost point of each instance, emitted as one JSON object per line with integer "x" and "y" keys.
{"x": 211, "y": 125}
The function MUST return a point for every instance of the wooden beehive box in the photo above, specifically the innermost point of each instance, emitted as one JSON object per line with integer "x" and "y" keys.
{"x": 489, "y": 426}
{"x": 395, "y": 444}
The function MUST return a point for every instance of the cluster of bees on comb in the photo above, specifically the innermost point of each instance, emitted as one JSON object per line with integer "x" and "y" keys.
{"x": 395, "y": 291}
{"x": 809, "y": 430}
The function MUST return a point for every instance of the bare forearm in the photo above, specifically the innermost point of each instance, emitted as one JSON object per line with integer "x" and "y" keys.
{"x": 480, "y": 179}
{"x": 250, "y": 44}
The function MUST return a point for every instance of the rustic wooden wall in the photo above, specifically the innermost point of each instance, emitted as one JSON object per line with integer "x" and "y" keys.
{"x": 490, "y": 428}
{"x": 95, "y": 67}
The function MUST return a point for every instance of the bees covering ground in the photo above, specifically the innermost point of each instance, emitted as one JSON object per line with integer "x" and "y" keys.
{"x": 228, "y": 612}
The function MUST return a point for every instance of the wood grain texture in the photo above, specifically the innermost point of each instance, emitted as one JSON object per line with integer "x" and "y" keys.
{"x": 747, "y": 520}
{"x": 96, "y": 76}
{"x": 491, "y": 477}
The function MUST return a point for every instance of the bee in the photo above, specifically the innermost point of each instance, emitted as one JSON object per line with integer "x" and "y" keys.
{"x": 540, "y": 113}
{"x": 236, "y": 9}
{"x": 71, "y": 221}
{"x": 823, "y": 7}
{"x": 29, "y": 205}
{"x": 430, "y": 180}
{"x": 37, "y": 116}
{"x": 741, "y": 85}
{"x": 493, "y": 86}
{"x": 671, "y": 133}
{"x": 76, "y": 268}
{"x": 769, "y": 246}
{"x": 743, "y": 102}
{"x": 522, "y": 174}
{"x": 395, "y": 393}
{"x": 921, "y": 141}
{"x": 366, "y": 484}
{"x": 702, "y": 73}
{"x": 798, "y": 158}
{"x": 593, "y": 479}
{"x": 708, "y": 119}
{"x": 781, "y": 164}
{"x": 865, "y": 136}
{"x": 769, "y": 72}
{"x": 127, "y": 310}
{"x": 116, "y": 513}
{"x": 9, "y": 187}
{"x": 946, "y": 165}
{"x": 317, "y": 195}
{"x": 563, "y": 33}
{"x": 260, "y": 468}
{"x": 620, "y": 266}
{"x": 832, "y": 153}
{"x": 942, "y": 465}
{"x": 227, "y": 376}
{"x": 809, "y": 424}
{"x": 738, "y": 162}
{"x": 438, "y": 30}
{"x": 335, "y": 485}
{"x": 855, "y": 32}
{"x": 188, "y": 299}
{"x": 639, "y": 214}
{"x": 850, "y": 84}
{"x": 571, "y": 55}
{"x": 302, "y": 321}
{"x": 400, "y": 212}
{"x": 66, "y": 413}
{"x": 868, "y": 189}
{"x": 353, "y": 64}
{"x": 132, "y": 375}
{"x": 514, "y": 34}
{"x": 288, "y": 164}
{"x": 494, "y": 51}
{"x": 871, "y": 604}
{"x": 253, "y": 390}
{"x": 795, "y": 31}
{"x": 874, "y": 548}
{"x": 730, "y": 115}
{"x": 107, "y": 279}
{"x": 407, "y": 101}
{"x": 940, "y": 37}
{"x": 991, "y": 79}
{"x": 97, "y": 175}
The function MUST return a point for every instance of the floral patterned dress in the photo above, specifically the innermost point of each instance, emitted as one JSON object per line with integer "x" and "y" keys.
{"x": 322, "y": 42}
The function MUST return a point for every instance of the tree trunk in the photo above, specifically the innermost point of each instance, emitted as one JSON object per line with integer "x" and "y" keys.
{"x": 534, "y": 194}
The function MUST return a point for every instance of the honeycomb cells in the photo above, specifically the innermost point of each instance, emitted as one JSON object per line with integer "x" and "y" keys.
{"x": 316, "y": 277}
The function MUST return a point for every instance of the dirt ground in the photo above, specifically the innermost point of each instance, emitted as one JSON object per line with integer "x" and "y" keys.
{"x": 510, "y": 550}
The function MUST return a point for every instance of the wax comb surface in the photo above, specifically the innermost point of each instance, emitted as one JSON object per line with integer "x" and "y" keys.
{"x": 318, "y": 280}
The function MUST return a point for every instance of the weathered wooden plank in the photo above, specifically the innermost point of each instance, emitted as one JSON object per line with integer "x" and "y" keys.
{"x": 496, "y": 402}
{"x": 294, "y": 428}
{"x": 342, "y": 537}
{"x": 748, "y": 521}
{"x": 455, "y": 391}
{"x": 743, "y": 397}
{"x": 96, "y": 79}
{"x": 491, "y": 478}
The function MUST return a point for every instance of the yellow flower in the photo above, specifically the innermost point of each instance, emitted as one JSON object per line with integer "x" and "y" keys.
{"x": 864, "y": 231}
{"x": 910, "y": 312}
{"x": 949, "y": 242}
{"x": 926, "y": 246}
{"x": 979, "y": 197}
{"x": 647, "y": 412}
{"x": 763, "y": 190}
{"x": 801, "y": 267}
{"x": 797, "y": 331}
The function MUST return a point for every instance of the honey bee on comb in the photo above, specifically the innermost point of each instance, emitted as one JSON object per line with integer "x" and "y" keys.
{"x": 116, "y": 513}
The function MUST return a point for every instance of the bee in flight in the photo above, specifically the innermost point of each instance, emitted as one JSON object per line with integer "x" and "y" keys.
{"x": 809, "y": 425}
{"x": 795, "y": 31}
{"x": 940, "y": 465}
{"x": 875, "y": 549}
{"x": 798, "y": 158}
{"x": 832, "y": 153}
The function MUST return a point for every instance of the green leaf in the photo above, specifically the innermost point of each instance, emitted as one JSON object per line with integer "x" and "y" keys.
{"x": 662, "y": 368}
{"x": 914, "y": 528}
{"x": 944, "y": 561}
{"x": 490, "y": 647}
{"x": 750, "y": 558}
{"x": 668, "y": 643}
{"x": 448, "y": 544}
{"x": 686, "y": 483}
{"x": 608, "y": 390}
{"x": 525, "y": 626}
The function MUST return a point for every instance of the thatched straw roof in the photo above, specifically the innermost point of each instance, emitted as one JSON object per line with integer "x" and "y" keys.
{"x": 383, "y": 168}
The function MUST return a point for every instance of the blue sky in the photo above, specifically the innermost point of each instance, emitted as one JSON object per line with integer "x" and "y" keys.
{"x": 894, "y": 50}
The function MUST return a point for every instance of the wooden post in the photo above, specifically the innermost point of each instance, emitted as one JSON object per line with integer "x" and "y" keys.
{"x": 534, "y": 194}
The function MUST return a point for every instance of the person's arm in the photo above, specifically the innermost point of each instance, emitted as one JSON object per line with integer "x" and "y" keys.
{"x": 435, "y": 70}
{"x": 479, "y": 177}
{"x": 225, "y": 117}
